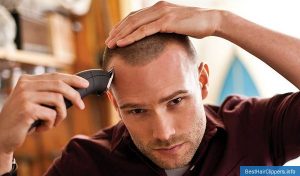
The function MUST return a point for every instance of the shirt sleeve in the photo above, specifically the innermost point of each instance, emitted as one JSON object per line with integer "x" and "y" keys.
{"x": 284, "y": 134}
{"x": 74, "y": 160}
{"x": 266, "y": 130}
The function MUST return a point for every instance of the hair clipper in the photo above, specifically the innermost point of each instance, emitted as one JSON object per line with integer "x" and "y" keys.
{"x": 99, "y": 82}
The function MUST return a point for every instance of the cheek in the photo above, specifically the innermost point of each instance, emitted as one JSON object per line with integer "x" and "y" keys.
{"x": 193, "y": 112}
{"x": 137, "y": 129}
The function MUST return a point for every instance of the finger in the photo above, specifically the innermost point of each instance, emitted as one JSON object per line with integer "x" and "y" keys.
{"x": 116, "y": 28}
{"x": 72, "y": 80}
{"x": 48, "y": 116}
{"x": 55, "y": 86}
{"x": 140, "y": 33}
{"x": 144, "y": 16}
{"x": 52, "y": 100}
{"x": 129, "y": 27}
{"x": 134, "y": 22}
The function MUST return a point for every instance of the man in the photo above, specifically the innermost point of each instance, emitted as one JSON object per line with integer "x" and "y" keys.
{"x": 158, "y": 89}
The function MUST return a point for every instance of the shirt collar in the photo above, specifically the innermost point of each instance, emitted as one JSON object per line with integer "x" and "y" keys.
{"x": 119, "y": 134}
{"x": 214, "y": 125}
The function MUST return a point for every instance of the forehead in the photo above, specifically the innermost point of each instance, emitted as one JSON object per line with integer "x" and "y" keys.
{"x": 168, "y": 72}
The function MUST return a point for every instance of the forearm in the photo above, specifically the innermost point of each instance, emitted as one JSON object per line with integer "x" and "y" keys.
{"x": 5, "y": 163}
{"x": 279, "y": 51}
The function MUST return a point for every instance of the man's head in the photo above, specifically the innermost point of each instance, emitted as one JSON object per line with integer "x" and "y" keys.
{"x": 158, "y": 90}
{"x": 145, "y": 50}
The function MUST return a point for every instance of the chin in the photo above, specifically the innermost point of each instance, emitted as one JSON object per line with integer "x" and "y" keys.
{"x": 172, "y": 165}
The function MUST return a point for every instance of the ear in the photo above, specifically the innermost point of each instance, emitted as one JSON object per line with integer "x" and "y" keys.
{"x": 113, "y": 101}
{"x": 203, "y": 71}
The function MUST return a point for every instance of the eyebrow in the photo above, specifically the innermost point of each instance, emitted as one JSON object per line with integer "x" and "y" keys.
{"x": 164, "y": 99}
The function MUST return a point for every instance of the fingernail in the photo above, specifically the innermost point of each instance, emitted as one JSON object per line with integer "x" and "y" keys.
{"x": 120, "y": 43}
{"x": 81, "y": 105}
{"x": 106, "y": 41}
{"x": 85, "y": 82}
{"x": 110, "y": 44}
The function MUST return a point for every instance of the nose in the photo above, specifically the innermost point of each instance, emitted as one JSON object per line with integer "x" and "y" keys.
{"x": 163, "y": 126}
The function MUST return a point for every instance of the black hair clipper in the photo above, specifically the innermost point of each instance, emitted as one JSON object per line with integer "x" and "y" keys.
{"x": 99, "y": 82}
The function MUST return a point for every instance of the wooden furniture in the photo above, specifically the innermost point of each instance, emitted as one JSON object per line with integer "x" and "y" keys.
{"x": 33, "y": 58}
{"x": 39, "y": 150}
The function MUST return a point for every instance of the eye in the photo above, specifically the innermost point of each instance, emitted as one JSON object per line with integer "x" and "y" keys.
{"x": 137, "y": 111}
{"x": 175, "y": 101}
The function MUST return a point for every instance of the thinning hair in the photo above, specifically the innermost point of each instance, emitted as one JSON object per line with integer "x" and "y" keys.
{"x": 147, "y": 49}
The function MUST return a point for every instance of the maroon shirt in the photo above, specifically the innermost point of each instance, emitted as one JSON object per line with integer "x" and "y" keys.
{"x": 240, "y": 132}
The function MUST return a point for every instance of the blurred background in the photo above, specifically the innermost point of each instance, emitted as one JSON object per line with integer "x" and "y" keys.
{"x": 68, "y": 36}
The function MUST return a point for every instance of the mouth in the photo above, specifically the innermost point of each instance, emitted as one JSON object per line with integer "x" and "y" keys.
{"x": 174, "y": 149}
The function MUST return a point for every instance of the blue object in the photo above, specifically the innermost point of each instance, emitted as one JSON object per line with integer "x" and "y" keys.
{"x": 269, "y": 170}
{"x": 237, "y": 81}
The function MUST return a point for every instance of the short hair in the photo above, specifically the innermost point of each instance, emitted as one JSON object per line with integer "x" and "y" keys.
{"x": 147, "y": 49}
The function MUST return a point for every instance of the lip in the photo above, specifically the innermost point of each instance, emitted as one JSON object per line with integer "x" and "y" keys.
{"x": 170, "y": 150}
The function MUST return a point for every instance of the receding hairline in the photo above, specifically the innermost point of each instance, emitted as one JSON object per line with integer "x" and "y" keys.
{"x": 149, "y": 60}
{"x": 148, "y": 49}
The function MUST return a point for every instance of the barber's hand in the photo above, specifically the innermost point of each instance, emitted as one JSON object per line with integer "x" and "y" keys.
{"x": 26, "y": 104}
{"x": 164, "y": 17}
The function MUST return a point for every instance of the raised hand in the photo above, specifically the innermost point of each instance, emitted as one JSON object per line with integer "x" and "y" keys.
{"x": 28, "y": 102}
{"x": 164, "y": 17}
